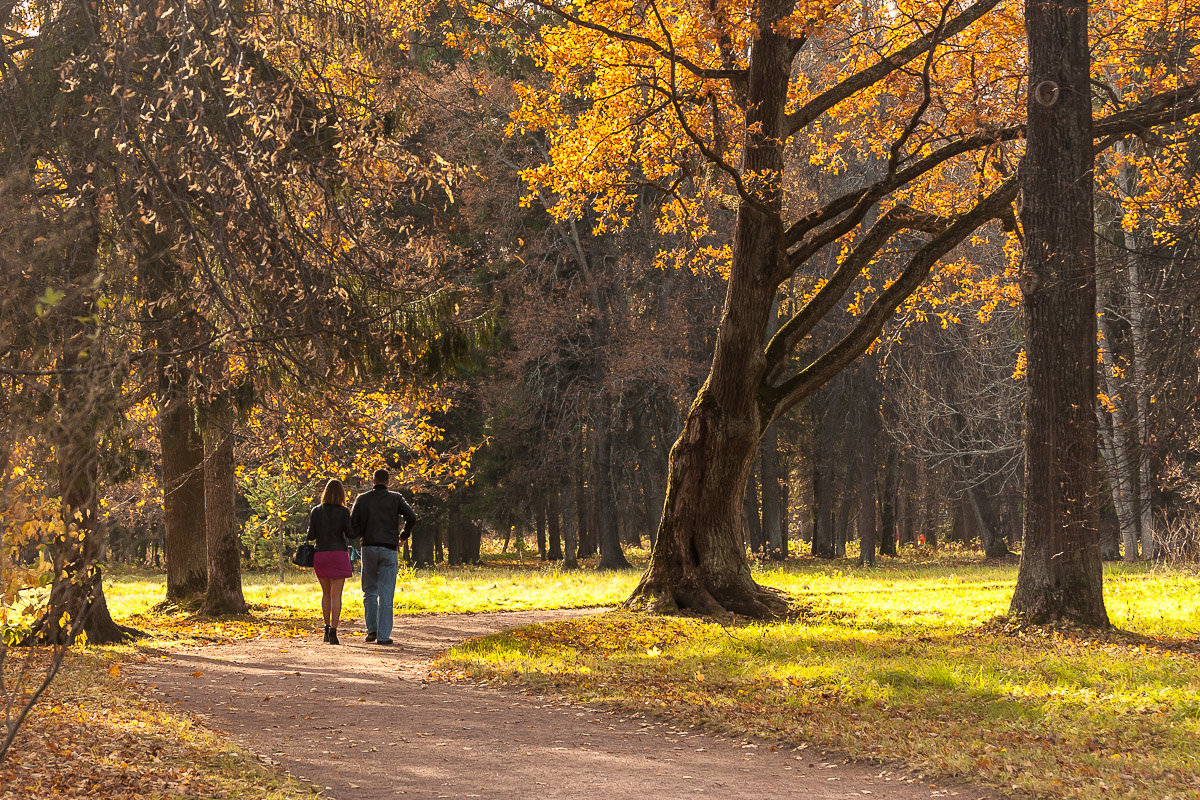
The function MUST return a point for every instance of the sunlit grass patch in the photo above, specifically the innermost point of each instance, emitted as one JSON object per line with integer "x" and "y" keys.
{"x": 93, "y": 736}
{"x": 897, "y": 664}
{"x": 293, "y": 606}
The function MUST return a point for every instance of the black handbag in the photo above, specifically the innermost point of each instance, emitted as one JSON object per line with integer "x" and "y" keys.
{"x": 303, "y": 557}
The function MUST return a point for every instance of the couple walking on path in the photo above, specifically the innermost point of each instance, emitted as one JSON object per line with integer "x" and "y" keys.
{"x": 375, "y": 519}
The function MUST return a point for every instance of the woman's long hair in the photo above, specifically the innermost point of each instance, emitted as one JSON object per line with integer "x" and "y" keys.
{"x": 334, "y": 494}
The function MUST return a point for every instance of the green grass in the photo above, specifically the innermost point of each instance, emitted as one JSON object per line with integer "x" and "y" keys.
{"x": 897, "y": 663}
{"x": 505, "y": 584}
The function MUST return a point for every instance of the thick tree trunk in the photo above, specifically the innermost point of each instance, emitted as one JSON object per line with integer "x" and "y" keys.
{"x": 423, "y": 536}
{"x": 698, "y": 561}
{"x": 183, "y": 502}
{"x": 1061, "y": 574}
{"x": 224, "y": 593}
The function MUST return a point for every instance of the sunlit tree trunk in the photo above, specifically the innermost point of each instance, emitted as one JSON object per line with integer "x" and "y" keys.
{"x": 1060, "y": 576}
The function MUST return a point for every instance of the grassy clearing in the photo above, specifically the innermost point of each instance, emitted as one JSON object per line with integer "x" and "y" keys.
{"x": 896, "y": 663}
{"x": 94, "y": 737}
{"x": 294, "y": 606}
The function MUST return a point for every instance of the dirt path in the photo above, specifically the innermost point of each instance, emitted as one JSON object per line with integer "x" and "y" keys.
{"x": 359, "y": 721}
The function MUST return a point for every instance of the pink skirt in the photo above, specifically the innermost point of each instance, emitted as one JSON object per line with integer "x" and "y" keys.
{"x": 332, "y": 564}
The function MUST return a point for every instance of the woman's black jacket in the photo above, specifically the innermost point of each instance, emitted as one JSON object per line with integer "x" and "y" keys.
{"x": 329, "y": 524}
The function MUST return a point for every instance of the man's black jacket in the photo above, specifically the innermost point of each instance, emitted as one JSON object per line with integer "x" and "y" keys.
{"x": 376, "y": 517}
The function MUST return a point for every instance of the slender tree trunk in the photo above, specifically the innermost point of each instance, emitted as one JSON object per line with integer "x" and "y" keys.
{"x": 1141, "y": 386}
{"x": 540, "y": 523}
{"x": 554, "y": 518}
{"x": 868, "y": 495}
{"x": 822, "y": 486}
{"x": 224, "y": 593}
{"x": 183, "y": 501}
{"x": 586, "y": 540}
{"x": 752, "y": 522}
{"x": 78, "y": 589}
{"x": 1061, "y": 574}
{"x": 773, "y": 510}
{"x": 842, "y": 523}
{"x": 605, "y": 501}
{"x": 1113, "y": 438}
{"x": 888, "y": 503}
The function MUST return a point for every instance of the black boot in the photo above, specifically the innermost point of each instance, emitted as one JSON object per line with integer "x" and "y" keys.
{"x": 332, "y": 638}
{"x": 326, "y": 637}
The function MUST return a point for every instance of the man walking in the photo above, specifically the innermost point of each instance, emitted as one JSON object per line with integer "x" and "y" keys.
{"x": 375, "y": 519}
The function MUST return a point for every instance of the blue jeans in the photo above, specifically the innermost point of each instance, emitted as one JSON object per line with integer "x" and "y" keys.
{"x": 379, "y": 568}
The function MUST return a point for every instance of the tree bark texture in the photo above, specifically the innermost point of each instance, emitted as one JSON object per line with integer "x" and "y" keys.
{"x": 224, "y": 593}
{"x": 1060, "y": 576}
{"x": 698, "y": 561}
{"x": 183, "y": 502}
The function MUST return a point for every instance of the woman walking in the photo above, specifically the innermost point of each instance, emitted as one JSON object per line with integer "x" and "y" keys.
{"x": 329, "y": 525}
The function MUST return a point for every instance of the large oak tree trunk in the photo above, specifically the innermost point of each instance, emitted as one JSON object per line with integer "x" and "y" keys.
{"x": 698, "y": 561}
{"x": 224, "y": 593}
{"x": 1060, "y": 576}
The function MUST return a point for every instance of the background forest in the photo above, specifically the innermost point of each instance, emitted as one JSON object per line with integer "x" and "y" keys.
{"x": 424, "y": 298}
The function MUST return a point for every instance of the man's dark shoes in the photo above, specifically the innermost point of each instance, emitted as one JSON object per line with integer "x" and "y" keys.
{"x": 385, "y": 641}
{"x": 332, "y": 638}
{"x": 370, "y": 638}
